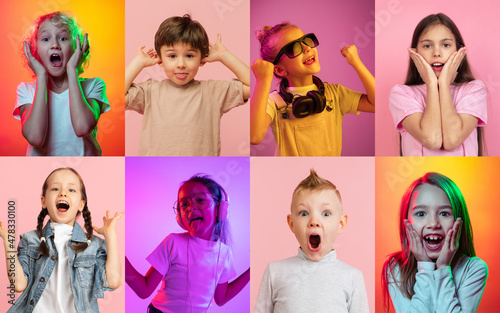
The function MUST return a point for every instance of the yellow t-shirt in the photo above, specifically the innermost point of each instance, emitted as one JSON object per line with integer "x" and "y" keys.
{"x": 317, "y": 134}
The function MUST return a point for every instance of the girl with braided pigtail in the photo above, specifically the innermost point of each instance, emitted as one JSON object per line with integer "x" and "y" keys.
{"x": 60, "y": 256}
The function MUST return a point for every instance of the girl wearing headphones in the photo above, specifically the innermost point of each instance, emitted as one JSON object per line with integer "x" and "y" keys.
{"x": 196, "y": 266}
{"x": 305, "y": 115}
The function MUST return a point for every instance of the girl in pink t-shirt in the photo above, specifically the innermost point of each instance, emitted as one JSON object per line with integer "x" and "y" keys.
{"x": 440, "y": 108}
{"x": 195, "y": 267}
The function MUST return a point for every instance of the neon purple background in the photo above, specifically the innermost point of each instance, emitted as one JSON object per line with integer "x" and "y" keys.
{"x": 396, "y": 20}
{"x": 336, "y": 24}
{"x": 151, "y": 189}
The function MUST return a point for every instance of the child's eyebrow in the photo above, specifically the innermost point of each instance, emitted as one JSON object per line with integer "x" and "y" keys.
{"x": 428, "y": 40}
{"x": 424, "y": 206}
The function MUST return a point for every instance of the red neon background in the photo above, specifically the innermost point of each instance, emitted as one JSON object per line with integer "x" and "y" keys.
{"x": 104, "y": 22}
{"x": 478, "y": 180}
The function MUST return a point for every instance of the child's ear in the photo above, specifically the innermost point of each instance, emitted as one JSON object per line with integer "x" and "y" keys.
{"x": 42, "y": 200}
{"x": 278, "y": 70}
{"x": 289, "y": 221}
{"x": 342, "y": 223}
{"x": 82, "y": 205}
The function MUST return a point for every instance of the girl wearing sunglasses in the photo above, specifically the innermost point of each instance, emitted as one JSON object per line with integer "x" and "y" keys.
{"x": 305, "y": 114}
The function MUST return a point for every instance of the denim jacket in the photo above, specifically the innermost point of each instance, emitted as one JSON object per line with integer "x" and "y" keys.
{"x": 87, "y": 268}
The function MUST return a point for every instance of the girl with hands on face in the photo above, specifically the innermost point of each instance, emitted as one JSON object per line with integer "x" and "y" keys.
{"x": 441, "y": 108}
{"x": 436, "y": 269}
{"x": 306, "y": 114}
{"x": 60, "y": 110}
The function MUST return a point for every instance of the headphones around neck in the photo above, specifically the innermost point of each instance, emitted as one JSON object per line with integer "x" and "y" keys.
{"x": 302, "y": 106}
{"x": 220, "y": 211}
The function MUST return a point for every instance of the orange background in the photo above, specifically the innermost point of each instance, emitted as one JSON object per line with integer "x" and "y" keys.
{"x": 104, "y": 22}
{"x": 478, "y": 180}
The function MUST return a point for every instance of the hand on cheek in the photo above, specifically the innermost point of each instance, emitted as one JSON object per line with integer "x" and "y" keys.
{"x": 450, "y": 68}
{"x": 416, "y": 244}
{"x": 33, "y": 63}
{"x": 450, "y": 246}
{"x": 424, "y": 69}
{"x": 79, "y": 54}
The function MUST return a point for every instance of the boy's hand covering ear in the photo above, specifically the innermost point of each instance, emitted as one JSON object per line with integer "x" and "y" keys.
{"x": 215, "y": 53}
{"x": 147, "y": 57}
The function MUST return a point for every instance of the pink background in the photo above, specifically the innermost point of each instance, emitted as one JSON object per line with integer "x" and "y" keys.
{"x": 271, "y": 195}
{"x": 22, "y": 180}
{"x": 152, "y": 186}
{"x": 229, "y": 18}
{"x": 396, "y": 20}
{"x": 336, "y": 24}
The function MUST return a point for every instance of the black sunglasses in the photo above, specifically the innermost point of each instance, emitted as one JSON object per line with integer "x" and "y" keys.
{"x": 294, "y": 48}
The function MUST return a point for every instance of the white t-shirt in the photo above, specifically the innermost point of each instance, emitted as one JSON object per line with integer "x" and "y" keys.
{"x": 61, "y": 139}
{"x": 57, "y": 297}
{"x": 192, "y": 267}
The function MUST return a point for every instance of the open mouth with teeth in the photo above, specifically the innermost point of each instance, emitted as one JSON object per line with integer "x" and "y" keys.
{"x": 437, "y": 65}
{"x": 314, "y": 242}
{"x": 55, "y": 60}
{"x": 310, "y": 60}
{"x": 62, "y": 206}
{"x": 434, "y": 242}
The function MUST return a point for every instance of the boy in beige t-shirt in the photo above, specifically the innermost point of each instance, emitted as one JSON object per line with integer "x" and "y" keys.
{"x": 182, "y": 115}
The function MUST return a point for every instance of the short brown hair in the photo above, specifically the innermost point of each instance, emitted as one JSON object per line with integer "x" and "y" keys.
{"x": 314, "y": 182}
{"x": 181, "y": 29}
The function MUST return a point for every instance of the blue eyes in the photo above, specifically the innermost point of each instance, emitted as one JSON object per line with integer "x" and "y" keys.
{"x": 304, "y": 213}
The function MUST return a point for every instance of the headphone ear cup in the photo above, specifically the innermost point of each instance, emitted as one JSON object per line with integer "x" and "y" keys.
{"x": 319, "y": 101}
{"x": 302, "y": 106}
{"x": 179, "y": 221}
{"x": 222, "y": 211}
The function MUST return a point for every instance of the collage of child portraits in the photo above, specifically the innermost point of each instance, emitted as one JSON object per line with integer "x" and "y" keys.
{"x": 228, "y": 156}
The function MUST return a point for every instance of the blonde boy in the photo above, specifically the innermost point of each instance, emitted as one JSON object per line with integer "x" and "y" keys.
{"x": 182, "y": 115}
{"x": 315, "y": 280}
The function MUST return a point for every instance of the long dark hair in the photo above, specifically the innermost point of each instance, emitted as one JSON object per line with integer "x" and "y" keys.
{"x": 43, "y": 249}
{"x": 464, "y": 74}
{"x": 404, "y": 260}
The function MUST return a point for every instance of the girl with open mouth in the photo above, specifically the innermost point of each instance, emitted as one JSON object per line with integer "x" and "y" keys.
{"x": 437, "y": 269}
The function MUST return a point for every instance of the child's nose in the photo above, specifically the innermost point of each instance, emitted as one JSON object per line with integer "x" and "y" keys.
{"x": 437, "y": 52}
{"x": 313, "y": 222}
{"x": 432, "y": 222}
{"x": 54, "y": 44}
{"x": 181, "y": 63}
